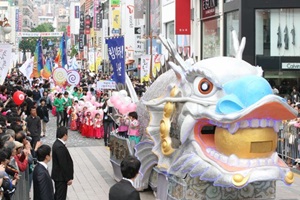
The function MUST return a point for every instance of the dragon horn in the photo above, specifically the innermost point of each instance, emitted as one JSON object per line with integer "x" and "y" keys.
{"x": 238, "y": 47}
{"x": 172, "y": 50}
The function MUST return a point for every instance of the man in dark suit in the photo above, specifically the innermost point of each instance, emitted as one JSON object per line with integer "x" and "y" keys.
{"x": 42, "y": 182}
{"x": 124, "y": 189}
{"x": 62, "y": 164}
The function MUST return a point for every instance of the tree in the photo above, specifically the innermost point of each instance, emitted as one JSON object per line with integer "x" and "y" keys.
{"x": 44, "y": 27}
{"x": 63, "y": 28}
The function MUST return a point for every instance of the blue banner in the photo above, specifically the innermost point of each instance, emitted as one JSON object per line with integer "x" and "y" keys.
{"x": 116, "y": 52}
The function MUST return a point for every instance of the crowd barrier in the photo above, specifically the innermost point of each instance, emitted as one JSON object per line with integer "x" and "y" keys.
{"x": 288, "y": 146}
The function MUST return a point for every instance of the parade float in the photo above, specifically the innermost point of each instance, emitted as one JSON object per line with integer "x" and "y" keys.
{"x": 209, "y": 131}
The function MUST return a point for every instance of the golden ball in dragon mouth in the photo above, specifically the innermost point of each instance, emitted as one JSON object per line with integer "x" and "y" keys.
{"x": 246, "y": 143}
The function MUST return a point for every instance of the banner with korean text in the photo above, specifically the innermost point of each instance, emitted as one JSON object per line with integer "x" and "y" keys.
{"x": 116, "y": 53}
{"x": 5, "y": 60}
{"x": 145, "y": 68}
{"x": 106, "y": 85}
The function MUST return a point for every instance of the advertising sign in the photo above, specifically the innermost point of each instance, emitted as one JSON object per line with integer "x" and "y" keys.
{"x": 81, "y": 23}
{"x": 96, "y": 12}
{"x": 183, "y": 24}
{"x": 87, "y": 24}
{"x": 76, "y": 12}
{"x": 208, "y": 8}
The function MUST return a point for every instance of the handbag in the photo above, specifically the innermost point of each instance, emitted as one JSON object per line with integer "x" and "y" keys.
{"x": 46, "y": 119}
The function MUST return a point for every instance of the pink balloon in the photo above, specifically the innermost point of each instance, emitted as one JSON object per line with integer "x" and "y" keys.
{"x": 132, "y": 107}
{"x": 117, "y": 104}
{"x": 113, "y": 99}
{"x": 89, "y": 93}
{"x": 93, "y": 99}
{"x": 123, "y": 109}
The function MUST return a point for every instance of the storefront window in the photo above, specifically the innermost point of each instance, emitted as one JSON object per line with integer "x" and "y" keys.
{"x": 170, "y": 27}
{"x": 275, "y": 32}
{"x": 211, "y": 38}
{"x": 232, "y": 24}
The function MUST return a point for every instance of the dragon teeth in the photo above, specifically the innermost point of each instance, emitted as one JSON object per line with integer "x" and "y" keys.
{"x": 233, "y": 160}
{"x": 254, "y": 123}
{"x": 263, "y": 123}
{"x": 233, "y": 128}
{"x": 276, "y": 126}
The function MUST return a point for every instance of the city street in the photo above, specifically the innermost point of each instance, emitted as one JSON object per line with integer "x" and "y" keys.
{"x": 94, "y": 174}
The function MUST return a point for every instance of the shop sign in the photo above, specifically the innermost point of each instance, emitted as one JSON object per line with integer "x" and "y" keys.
{"x": 87, "y": 24}
{"x": 81, "y": 23}
{"x": 290, "y": 65}
{"x": 183, "y": 24}
{"x": 208, "y": 8}
{"x": 76, "y": 12}
{"x": 81, "y": 42}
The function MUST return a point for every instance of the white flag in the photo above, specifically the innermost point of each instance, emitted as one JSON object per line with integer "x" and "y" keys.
{"x": 27, "y": 68}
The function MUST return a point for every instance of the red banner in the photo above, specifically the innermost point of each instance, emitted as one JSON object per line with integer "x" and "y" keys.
{"x": 183, "y": 17}
{"x": 68, "y": 31}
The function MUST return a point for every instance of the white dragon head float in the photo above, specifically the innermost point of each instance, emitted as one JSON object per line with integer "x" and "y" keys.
{"x": 216, "y": 119}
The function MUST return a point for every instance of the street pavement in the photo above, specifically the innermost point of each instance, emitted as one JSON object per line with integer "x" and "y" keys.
{"x": 93, "y": 173}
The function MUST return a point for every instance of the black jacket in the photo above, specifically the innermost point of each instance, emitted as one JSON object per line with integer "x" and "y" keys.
{"x": 42, "y": 111}
{"x": 42, "y": 184}
{"x": 62, "y": 163}
{"x": 34, "y": 126}
{"x": 123, "y": 190}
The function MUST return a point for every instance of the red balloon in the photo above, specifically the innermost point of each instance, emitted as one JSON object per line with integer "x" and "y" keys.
{"x": 18, "y": 97}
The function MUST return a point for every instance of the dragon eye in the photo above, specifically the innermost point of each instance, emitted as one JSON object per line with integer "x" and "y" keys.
{"x": 205, "y": 86}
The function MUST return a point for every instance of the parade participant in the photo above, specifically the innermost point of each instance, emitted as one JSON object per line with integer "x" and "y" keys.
{"x": 88, "y": 127}
{"x": 81, "y": 118}
{"x": 42, "y": 112}
{"x": 98, "y": 127}
{"x": 62, "y": 164}
{"x": 124, "y": 189}
{"x": 133, "y": 130}
{"x": 67, "y": 103}
{"x": 59, "y": 104}
{"x": 73, "y": 115}
{"x": 123, "y": 126}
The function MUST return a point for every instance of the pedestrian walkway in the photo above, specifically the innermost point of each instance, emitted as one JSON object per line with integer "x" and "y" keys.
{"x": 93, "y": 174}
